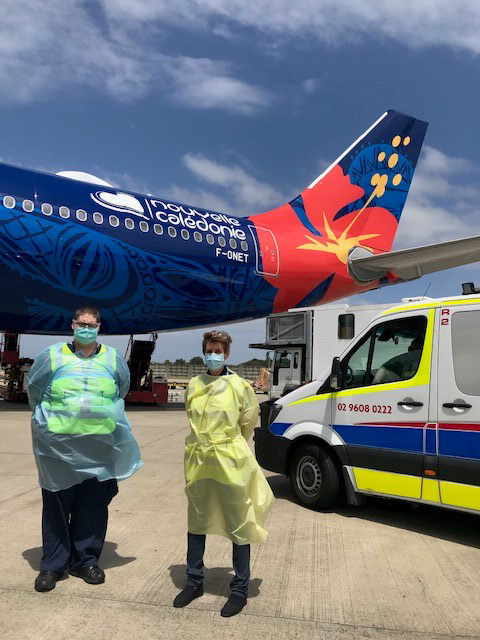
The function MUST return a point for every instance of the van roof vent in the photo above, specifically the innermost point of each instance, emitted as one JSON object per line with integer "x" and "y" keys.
{"x": 416, "y": 299}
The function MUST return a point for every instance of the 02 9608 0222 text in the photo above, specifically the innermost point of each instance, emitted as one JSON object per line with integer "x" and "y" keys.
{"x": 364, "y": 408}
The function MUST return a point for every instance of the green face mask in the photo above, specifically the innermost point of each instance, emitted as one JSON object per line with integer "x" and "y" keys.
{"x": 85, "y": 336}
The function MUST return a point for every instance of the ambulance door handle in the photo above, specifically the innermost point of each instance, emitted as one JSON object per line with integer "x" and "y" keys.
{"x": 409, "y": 403}
{"x": 456, "y": 405}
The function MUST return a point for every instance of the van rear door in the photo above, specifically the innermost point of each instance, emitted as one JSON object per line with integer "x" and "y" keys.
{"x": 459, "y": 403}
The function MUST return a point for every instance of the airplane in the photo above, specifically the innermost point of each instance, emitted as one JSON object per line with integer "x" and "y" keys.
{"x": 150, "y": 264}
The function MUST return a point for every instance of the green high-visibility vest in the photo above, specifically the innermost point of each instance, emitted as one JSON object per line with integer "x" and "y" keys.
{"x": 83, "y": 392}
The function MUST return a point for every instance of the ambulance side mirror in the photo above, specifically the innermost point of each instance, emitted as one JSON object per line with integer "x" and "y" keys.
{"x": 336, "y": 375}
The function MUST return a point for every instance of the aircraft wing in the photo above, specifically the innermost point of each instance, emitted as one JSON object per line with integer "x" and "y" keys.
{"x": 409, "y": 264}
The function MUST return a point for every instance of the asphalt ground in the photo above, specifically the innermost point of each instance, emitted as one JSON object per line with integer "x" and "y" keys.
{"x": 383, "y": 570}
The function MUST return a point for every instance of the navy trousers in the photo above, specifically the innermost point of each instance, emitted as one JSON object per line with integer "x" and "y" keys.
{"x": 241, "y": 564}
{"x": 74, "y": 524}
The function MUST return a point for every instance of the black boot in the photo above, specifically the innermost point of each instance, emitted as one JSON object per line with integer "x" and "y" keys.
{"x": 233, "y": 605}
{"x": 46, "y": 580}
{"x": 187, "y": 595}
{"x": 92, "y": 575}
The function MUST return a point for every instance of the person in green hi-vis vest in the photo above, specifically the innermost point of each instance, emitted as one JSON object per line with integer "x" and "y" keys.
{"x": 83, "y": 444}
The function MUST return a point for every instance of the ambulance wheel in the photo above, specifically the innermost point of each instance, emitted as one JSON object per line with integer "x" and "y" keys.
{"x": 314, "y": 477}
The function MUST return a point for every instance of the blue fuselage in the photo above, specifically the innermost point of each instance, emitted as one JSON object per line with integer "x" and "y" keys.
{"x": 145, "y": 263}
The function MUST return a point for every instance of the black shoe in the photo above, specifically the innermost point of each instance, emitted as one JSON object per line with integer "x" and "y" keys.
{"x": 187, "y": 595}
{"x": 92, "y": 575}
{"x": 233, "y": 605}
{"x": 46, "y": 580}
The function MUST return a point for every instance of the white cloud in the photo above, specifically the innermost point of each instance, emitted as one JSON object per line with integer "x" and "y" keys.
{"x": 49, "y": 47}
{"x": 117, "y": 46}
{"x": 413, "y": 23}
{"x": 310, "y": 85}
{"x": 245, "y": 191}
{"x": 205, "y": 83}
{"x": 440, "y": 206}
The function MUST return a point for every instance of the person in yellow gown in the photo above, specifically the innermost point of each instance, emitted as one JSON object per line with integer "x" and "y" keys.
{"x": 227, "y": 492}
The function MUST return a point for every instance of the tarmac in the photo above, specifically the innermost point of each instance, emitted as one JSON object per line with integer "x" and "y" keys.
{"x": 383, "y": 570}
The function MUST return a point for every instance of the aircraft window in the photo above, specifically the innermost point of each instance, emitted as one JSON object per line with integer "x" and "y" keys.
{"x": 28, "y": 206}
{"x": 210, "y": 238}
{"x": 221, "y": 241}
{"x": 172, "y": 232}
{"x": 9, "y": 202}
{"x": 63, "y": 211}
{"x": 114, "y": 221}
{"x": 129, "y": 223}
{"x": 81, "y": 215}
{"x": 143, "y": 226}
{"x": 197, "y": 236}
{"x": 47, "y": 209}
{"x": 233, "y": 243}
{"x": 244, "y": 245}
{"x": 158, "y": 229}
{"x": 97, "y": 218}
{"x": 185, "y": 234}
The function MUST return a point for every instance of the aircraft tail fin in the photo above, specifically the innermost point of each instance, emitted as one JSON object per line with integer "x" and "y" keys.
{"x": 358, "y": 200}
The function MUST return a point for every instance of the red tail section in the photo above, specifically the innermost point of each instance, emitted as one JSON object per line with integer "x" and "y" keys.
{"x": 357, "y": 201}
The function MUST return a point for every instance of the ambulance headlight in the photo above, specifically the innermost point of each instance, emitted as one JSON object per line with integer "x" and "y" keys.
{"x": 268, "y": 412}
{"x": 274, "y": 411}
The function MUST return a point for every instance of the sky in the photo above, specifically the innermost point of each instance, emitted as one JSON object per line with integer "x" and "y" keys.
{"x": 237, "y": 106}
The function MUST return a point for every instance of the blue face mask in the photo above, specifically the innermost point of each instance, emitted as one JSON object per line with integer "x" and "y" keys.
{"x": 214, "y": 361}
{"x": 85, "y": 336}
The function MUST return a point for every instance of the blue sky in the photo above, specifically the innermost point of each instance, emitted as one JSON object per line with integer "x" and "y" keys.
{"x": 237, "y": 106}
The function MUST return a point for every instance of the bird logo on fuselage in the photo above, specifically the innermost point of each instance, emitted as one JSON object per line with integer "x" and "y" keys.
{"x": 119, "y": 201}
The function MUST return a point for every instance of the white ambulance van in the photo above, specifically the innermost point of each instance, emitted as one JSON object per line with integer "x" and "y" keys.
{"x": 397, "y": 414}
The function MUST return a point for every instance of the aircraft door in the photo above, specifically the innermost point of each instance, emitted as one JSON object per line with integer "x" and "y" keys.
{"x": 266, "y": 251}
{"x": 382, "y": 410}
{"x": 459, "y": 405}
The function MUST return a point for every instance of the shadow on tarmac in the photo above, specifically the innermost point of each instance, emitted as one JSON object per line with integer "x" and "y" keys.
{"x": 455, "y": 526}
{"x": 216, "y": 582}
{"x": 108, "y": 559}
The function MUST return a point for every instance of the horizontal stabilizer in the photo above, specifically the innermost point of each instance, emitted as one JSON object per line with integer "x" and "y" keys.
{"x": 409, "y": 264}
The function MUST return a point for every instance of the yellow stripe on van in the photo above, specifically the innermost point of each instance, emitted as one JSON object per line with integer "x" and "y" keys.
{"x": 460, "y": 495}
{"x": 412, "y": 307}
{"x": 421, "y": 378}
{"x": 388, "y": 386}
{"x": 392, "y": 484}
{"x": 430, "y": 490}
{"x": 464, "y": 300}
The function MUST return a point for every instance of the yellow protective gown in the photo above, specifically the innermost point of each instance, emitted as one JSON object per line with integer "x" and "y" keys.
{"x": 227, "y": 492}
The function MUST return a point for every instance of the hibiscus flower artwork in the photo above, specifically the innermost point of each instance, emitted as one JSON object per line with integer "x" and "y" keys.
{"x": 357, "y": 202}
